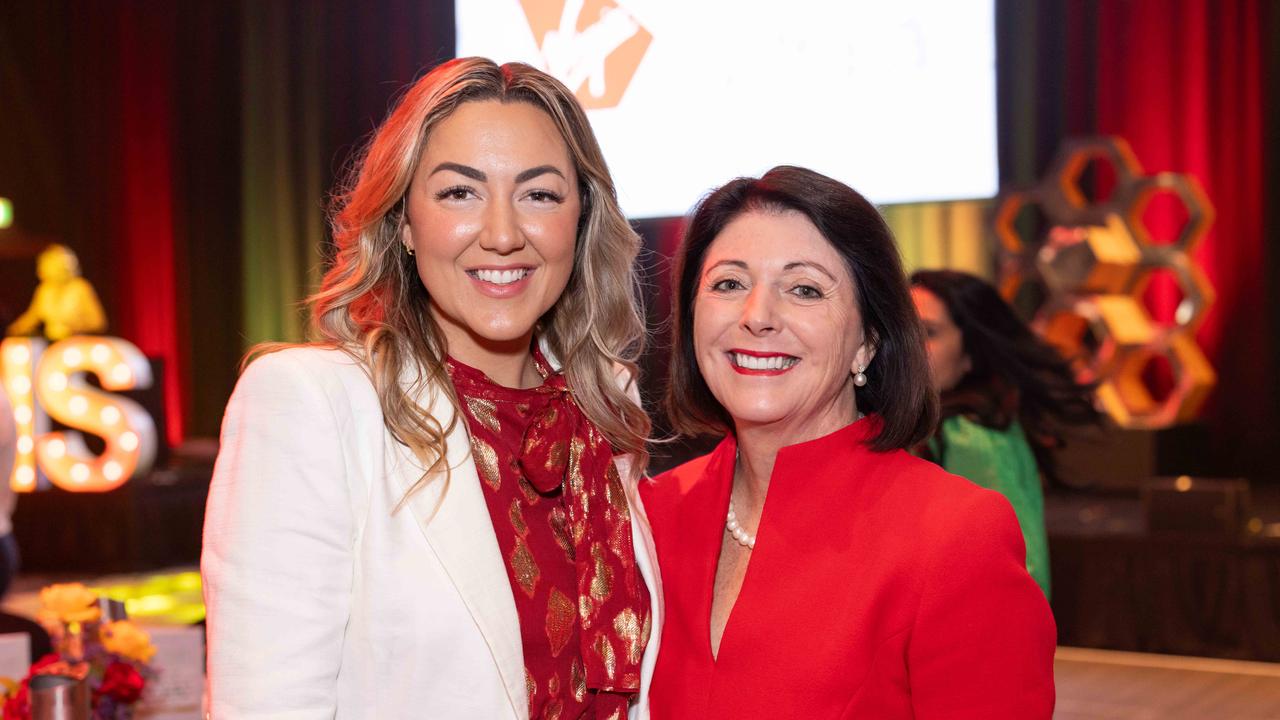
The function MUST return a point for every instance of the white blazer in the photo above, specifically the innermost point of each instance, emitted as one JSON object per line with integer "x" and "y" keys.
{"x": 326, "y": 601}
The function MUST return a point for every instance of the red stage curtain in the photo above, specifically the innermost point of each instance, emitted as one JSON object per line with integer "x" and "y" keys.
{"x": 148, "y": 261}
{"x": 1181, "y": 81}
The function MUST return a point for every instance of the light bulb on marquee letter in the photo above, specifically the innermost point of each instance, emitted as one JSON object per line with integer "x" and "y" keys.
{"x": 64, "y": 394}
{"x": 17, "y": 356}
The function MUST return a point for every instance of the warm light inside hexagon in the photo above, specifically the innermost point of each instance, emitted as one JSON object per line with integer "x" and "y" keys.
{"x": 1164, "y": 215}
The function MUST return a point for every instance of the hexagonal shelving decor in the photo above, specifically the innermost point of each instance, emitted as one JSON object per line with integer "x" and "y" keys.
{"x": 1091, "y": 269}
{"x": 1094, "y": 331}
{"x": 1188, "y": 192}
{"x": 1090, "y": 259}
{"x": 1062, "y": 194}
{"x": 1127, "y": 399}
{"x": 1197, "y": 292}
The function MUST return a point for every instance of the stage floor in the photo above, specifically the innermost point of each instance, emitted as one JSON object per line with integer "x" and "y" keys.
{"x": 1111, "y": 685}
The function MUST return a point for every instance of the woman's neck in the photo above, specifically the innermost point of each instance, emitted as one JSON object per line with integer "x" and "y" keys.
{"x": 509, "y": 364}
{"x": 758, "y": 447}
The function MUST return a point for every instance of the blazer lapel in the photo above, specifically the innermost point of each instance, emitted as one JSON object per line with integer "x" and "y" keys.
{"x": 460, "y": 532}
{"x": 647, "y": 562}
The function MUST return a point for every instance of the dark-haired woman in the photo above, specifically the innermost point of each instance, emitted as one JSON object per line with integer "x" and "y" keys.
{"x": 1006, "y": 396}
{"x": 811, "y": 567}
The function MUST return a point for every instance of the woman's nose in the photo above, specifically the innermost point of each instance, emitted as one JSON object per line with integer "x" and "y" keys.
{"x": 501, "y": 232}
{"x": 758, "y": 316}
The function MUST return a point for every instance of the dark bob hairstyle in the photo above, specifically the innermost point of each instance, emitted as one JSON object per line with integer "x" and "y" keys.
{"x": 898, "y": 386}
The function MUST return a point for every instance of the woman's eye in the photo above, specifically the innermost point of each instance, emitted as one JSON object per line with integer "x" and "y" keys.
{"x": 726, "y": 285}
{"x": 457, "y": 192}
{"x": 545, "y": 196}
{"x": 808, "y": 292}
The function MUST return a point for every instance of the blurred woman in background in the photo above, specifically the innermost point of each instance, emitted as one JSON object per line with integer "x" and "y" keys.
{"x": 1007, "y": 395}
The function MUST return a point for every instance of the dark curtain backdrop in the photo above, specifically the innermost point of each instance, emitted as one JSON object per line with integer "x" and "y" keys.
{"x": 186, "y": 151}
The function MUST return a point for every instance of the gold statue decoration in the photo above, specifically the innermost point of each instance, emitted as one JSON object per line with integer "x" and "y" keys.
{"x": 64, "y": 303}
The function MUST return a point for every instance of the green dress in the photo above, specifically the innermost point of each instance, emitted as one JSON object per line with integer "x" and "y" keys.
{"x": 1001, "y": 460}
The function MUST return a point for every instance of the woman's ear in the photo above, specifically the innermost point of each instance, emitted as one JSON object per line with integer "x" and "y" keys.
{"x": 406, "y": 235}
{"x": 866, "y": 353}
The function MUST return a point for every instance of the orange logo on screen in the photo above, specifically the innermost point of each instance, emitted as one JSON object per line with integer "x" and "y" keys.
{"x": 593, "y": 46}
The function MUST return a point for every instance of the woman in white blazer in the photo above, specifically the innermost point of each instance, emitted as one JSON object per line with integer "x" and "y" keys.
{"x": 354, "y": 563}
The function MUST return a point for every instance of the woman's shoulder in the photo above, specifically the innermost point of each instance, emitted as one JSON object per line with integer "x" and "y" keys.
{"x": 669, "y": 486}
{"x": 942, "y": 502}
{"x": 319, "y": 358}
{"x": 306, "y": 370}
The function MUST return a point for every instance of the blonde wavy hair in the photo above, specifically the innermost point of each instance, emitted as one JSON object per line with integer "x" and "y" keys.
{"x": 373, "y": 305}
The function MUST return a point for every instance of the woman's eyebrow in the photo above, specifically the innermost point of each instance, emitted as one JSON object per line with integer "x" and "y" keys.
{"x": 814, "y": 265}
{"x": 465, "y": 170}
{"x": 534, "y": 172}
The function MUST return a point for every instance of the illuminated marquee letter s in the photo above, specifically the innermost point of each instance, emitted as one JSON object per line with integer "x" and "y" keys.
{"x": 126, "y": 428}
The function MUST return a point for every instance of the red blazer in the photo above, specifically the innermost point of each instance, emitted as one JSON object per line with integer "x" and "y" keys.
{"x": 880, "y": 587}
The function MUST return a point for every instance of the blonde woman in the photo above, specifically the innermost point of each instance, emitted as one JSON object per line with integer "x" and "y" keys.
{"x": 420, "y": 514}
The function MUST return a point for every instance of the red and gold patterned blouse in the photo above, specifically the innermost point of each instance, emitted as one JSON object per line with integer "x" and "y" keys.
{"x": 563, "y": 525}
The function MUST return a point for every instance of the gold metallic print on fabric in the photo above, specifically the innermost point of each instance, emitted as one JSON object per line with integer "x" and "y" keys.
{"x": 530, "y": 686}
{"x": 486, "y": 462}
{"x": 615, "y": 715}
{"x": 578, "y": 679}
{"x": 532, "y": 441}
{"x": 560, "y": 621}
{"x": 604, "y": 649}
{"x": 602, "y": 575}
{"x": 627, "y": 625}
{"x": 619, "y": 535}
{"x": 516, "y": 514}
{"x": 485, "y": 412}
{"x": 527, "y": 490}
{"x": 576, "y": 482}
{"x": 553, "y": 685}
{"x": 555, "y": 456}
{"x": 524, "y": 567}
{"x": 554, "y": 710}
{"x": 617, "y": 496}
{"x": 559, "y": 521}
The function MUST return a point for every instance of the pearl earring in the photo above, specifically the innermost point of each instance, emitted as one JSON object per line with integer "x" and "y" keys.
{"x": 409, "y": 249}
{"x": 860, "y": 378}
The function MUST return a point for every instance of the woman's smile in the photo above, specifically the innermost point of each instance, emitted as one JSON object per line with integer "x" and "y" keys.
{"x": 753, "y": 362}
{"x": 501, "y": 282}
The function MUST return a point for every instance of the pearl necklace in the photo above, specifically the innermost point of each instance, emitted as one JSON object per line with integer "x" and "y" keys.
{"x": 739, "y": 533}
{"x": 743, "y": 538}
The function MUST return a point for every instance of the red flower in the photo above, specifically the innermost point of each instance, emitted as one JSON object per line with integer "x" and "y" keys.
{"x": 122, "y": 683}
{"x": 44, "y": 662}
{"x": 18, "y": 705}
